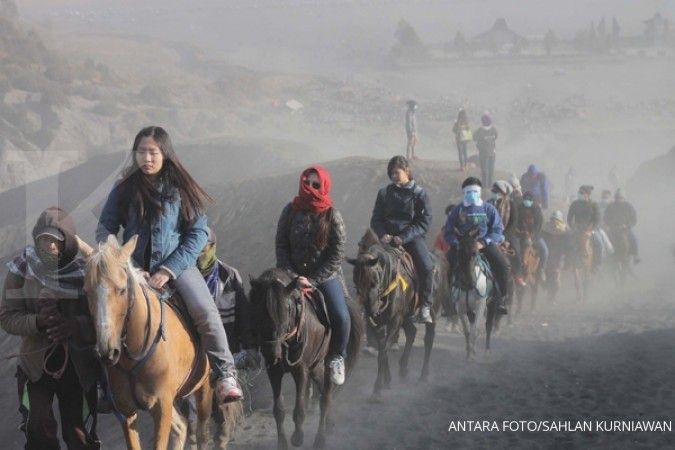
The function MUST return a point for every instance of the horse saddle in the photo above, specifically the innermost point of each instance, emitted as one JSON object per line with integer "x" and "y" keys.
{"x": 483, "y": 276}
{"x": 318, "y": 304}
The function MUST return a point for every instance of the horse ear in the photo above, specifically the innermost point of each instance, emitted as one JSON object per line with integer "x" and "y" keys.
{"x": 253, "y": 281}
{"x": 129, "y": 247}
{"x": 369, "y": 260}
{"x": 352, "y": 261}
{"x": 85, "y": 248}
{"x": 112, "y": 241}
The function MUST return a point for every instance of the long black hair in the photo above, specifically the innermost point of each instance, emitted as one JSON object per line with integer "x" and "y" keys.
{"x": 139, "y": 190}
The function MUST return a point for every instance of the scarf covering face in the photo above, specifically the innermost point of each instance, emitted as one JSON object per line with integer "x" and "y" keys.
{"x": 66, "y": 282}
{"x": 313, "y": 200}
{"x": 207, "y": 263}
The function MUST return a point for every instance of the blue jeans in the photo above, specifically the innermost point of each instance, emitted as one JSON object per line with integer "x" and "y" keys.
{"x": 206, "y": 318}
{"x": 424, "y": 266}
{"x": 338, "y": 314}
{"x": 462, "y": 151}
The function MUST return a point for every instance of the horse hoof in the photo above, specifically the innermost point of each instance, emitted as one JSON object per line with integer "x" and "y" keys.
{"x": 320, "y": 441}
{"x": 298, "y": 438}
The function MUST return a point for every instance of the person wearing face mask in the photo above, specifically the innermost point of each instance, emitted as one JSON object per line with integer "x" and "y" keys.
{"x": 43, "y": 301}
{"x": 530, "y": 221}
{"x": 402, "y": 217}
{"x": 471, "y": 212}
{"x": 536, "y": 182}
{"x": 310, "y": 242}
{"x": 411, "y": 129}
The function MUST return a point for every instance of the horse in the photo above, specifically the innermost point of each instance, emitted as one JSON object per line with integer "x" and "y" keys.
{"x": 294, "y": 339}
{"x": 473, "y": 289}
{"x": 385, "y": 284}
{"x": 621, "y": 257}
{"x": 531, "y": 261}
{"x": 150, "y": 357}
{"x": 582, "y": 262}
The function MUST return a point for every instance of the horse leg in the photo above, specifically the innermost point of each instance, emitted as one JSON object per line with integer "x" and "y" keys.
{"x": 381, "y": 357}
{"x": 300, "y": 377}
{"x": 204, "y": 403}
{"x": 326, "y": 393}
{"x": 179, "y": 429}
{"x": 489, "y": 326}
{"x": 162, "y": 413}
{"x": 429, "y": 337}
{"x": 275, "y": 375}
{"x": 129, "y": 427}
{"x": 410, "y": 331}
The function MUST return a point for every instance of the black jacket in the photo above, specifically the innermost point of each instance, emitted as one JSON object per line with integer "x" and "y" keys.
{"x": 583, "y": 215}
{"x": 402, "y": 211}
{"x": 296, "y": 247}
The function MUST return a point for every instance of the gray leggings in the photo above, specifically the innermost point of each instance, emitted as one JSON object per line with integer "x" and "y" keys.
{"x": 204, "y": 314}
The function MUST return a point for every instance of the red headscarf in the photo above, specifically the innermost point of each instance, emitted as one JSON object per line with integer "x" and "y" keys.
{"x": 310, "y": 199}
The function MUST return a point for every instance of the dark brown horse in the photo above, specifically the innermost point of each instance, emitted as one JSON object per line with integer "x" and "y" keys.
{"x": 389, "y": 295}
{"x": 293, "y": 339}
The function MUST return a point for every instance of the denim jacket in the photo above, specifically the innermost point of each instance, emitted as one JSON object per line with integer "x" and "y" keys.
{"x": 172, "y": 248}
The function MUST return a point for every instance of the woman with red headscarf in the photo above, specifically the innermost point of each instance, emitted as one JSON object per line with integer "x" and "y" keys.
{"x": 310, "y": 242}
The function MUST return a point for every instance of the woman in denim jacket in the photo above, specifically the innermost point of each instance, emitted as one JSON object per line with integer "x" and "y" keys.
{"x": 158, "y": 200}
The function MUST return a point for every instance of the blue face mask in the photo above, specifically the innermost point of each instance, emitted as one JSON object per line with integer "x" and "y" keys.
{"x": 528, "y": 203}
{"x": 471, "y": 197}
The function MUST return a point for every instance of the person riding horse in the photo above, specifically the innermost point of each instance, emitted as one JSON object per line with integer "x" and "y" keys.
{"x": 530, "y": 222}
{"x": 584, "y": 216}
{"x": 159, "y": 201}
{"x": 310, "y": 242}
{"x": 473, "y": 211}
{"x": 619, "y": 216}
{"x": 402, "y": 217}
{"x": 502, "y": 199}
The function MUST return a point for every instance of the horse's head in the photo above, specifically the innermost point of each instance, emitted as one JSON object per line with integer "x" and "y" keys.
{"x": 467, "y": 252}
{"x": 369, "y": 277}
{"x": 273, "y": 299}
{"x": 106, "y": 284}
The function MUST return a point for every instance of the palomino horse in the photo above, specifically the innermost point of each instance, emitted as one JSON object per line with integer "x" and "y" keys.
{"x": 582, "y": 262}
{"x": 531, "y": 261}
{"x": 387, "y": 290}
{"x": 473, "y": 288}
{"x": 293, "y": 339}
{"x": 150, "y": 356}
{"x": 620, "y": 259}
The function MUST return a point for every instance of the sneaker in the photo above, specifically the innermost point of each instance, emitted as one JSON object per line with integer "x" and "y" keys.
{"x": 501, "y": 306}
{"x": 520, "y": 281}
{"x": 424, "y": 315}
{"x": 337, "y": 370}
{"x": 228, "y": 390}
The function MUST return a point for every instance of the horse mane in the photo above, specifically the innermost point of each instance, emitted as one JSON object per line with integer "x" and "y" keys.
{"x": 103, "y": 260}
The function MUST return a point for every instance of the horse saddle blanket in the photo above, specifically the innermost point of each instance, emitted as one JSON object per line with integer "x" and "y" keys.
{"x": 483, "y": 277}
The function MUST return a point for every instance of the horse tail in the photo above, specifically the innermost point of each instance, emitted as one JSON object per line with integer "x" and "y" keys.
{"x": 233, "y": 415}
{"x": 356, "y": 332}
